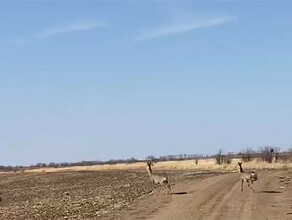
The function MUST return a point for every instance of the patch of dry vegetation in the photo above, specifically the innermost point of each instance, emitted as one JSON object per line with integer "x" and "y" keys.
{"x": 203, "y": 164}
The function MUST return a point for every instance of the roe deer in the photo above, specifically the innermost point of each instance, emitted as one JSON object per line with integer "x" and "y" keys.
{"x": 248, "y": 177}
{"x": 158, "y": 178}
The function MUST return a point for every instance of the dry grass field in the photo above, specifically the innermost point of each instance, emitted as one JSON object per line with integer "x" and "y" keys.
{"x": 204, "y": 164}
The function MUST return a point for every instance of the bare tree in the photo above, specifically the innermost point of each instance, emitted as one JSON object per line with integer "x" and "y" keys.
{"x": 219, "y": 157}
{"x": 267, "y": 154}
{"x": 247, "y": 154}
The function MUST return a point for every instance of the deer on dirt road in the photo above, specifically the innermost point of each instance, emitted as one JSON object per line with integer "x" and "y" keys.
{"x": 248, "y": 177}
{"x": 158, "y": 178}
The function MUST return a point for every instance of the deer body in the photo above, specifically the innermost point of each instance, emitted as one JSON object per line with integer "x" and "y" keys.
{"x": 158, "y": 179}
{"x": 248, "y": 177}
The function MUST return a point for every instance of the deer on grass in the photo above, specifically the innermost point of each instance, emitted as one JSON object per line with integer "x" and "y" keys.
{"x": 248, "y": 177}
{"x": 158, "y": 178}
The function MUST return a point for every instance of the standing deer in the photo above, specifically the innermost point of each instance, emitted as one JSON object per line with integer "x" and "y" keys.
{"x": 248, "y": 177}
{"x": 158, "y": 178}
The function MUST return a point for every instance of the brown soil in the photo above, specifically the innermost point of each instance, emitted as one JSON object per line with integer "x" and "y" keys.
{"x": 82, "y": 195}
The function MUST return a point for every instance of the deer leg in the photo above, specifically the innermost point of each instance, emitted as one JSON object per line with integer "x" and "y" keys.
{"x": 248, "y": 184}
{"x": 169, "y": 188}
{"x": 242, "y": 185}
{"x": 251, "y": 188}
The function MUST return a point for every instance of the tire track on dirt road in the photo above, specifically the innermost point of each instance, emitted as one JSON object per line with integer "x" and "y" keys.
{"x": 219, "y": 197}
{"x": 201, "y": 198}
{"x": 267, "y": 202}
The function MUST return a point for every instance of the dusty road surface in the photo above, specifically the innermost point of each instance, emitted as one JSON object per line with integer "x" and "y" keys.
{"x": 219, "y": 197}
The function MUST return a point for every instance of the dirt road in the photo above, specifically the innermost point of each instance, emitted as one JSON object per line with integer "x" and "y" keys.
{"x": 219, "y": 197}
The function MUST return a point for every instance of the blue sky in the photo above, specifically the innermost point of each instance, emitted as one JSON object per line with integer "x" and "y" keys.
{"x": 87, "y": 80}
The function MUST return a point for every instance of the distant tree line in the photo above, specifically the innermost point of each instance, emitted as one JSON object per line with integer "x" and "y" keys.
{"x": 267, "y": 154}
{"x": 178, "y": 157}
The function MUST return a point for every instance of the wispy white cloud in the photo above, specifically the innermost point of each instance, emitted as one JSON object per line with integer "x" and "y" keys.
{"x": 175, "y": 29}
{"x": 58, "y": 30}
{"x": 68, "y": 29}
